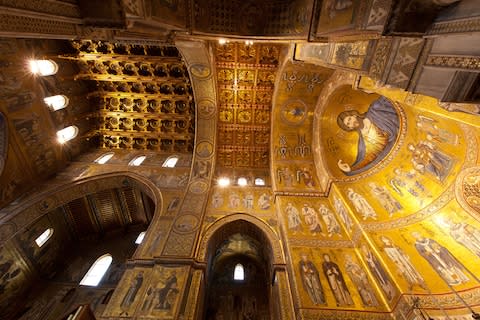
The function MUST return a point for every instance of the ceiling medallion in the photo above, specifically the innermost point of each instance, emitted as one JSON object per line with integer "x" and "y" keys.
{"x": 294, "y": 112}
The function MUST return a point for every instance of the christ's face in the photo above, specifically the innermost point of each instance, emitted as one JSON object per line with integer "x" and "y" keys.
{"x": 352, "y": 122}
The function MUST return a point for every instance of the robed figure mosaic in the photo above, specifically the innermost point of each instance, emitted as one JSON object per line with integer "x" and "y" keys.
{"x": 311, "y": 280}
{"x": 441, "y": 260}
{"x": 377, "y": 130}
{"x": 360, "y": 279}
{"x": 465, "y": 234}
{"x": 379, "y": 273}
{"x": 336, "y": 282}
{"x": 131, "y": 293}
{"x": 403, "y": 263}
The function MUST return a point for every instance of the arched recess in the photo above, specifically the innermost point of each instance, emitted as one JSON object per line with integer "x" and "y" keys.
{"x": 208, "y": 239}
{"x": 87, "y": 218}
{"x": 18, "y": 216}
{"x": 243, "y": 239}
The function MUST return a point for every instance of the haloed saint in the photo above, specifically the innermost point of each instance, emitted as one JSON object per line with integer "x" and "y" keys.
{"x": 377, "y": 130}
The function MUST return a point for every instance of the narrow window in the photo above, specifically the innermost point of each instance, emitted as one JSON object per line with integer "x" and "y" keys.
{"x": 56, "y": 102}
{"x": 140, "y": 237}
{"x": 239, "y": 273}
{"x": 44, "y": 237}
{"x": 104, "y": 158}
{"x": 43, "y": 67}
{"x": 259, "y": 182}
{"x": 137, "y": 161}
{"x": 67, "y": 134}
{"x": 170, "y": 162}
{"x": 97, "y": 271}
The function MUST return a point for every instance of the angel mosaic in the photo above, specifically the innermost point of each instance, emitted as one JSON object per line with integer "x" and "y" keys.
{"x": 427, "y": 158}
{"x": 435, "y": 133}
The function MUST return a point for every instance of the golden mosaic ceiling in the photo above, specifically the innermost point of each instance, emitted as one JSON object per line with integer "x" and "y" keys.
{"x": 143, "y": 96}
{"x": 246, "y": 76}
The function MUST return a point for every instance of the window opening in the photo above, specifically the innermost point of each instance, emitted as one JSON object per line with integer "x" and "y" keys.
{"x": 137, "y": 161}
{"x": 56, "y": 102}
{"x": 259, "y": 182}
{"x": 242, "y": 181}
{"x": 239, "y": 272}
{"x": 140, "y": 237}
{"x": 43, "y": 67}
{"x": 170, "y": 162}
{"x": 67, "y": 134}
{"x": 223, "y": 182}
{"x": 44, "y": 237}
{"x": 104, "y": 158}
{"x": 96, "y": 272}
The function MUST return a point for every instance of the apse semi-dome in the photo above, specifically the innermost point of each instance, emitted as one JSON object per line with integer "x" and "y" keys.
{"x": 359, "y": 132}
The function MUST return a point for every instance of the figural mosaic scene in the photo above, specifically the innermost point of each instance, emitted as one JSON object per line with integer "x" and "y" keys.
{"x": 240, "y": 159}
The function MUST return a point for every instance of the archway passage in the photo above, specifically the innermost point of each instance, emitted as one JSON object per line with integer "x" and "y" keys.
{"x": 239, "y": 249}
{"x": 73, "y": 236}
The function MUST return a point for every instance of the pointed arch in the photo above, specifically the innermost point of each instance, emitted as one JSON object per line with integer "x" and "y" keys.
{"x": 270, "y": 237}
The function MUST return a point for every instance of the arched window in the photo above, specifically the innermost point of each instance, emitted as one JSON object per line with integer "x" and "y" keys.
{"x": 170, "y": 162}
{"x": 97, "y": 271}
{"x": 56, "y": 102}
{"x": 43, "y": 67}
{"x": 137, "y": 161}
{"x": 140, "y": 237}
{"x": 239, "y": 272}
{"x": 242, "y": 181}
{"x": 44, "y": 237}
{"x": 67, "y": 133}
{"x": 104, "y": 158}
{"x": 259, "y": 182}
{"x": 223, "y": 182}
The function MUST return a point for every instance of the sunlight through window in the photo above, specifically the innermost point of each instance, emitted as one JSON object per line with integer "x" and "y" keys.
{"x": 239, "y": 273}
{"x": 259, "y": 182}
{"x": 44, "y": 237}
{"x": 56, "y": 102}
{"x": 104, "y": 158}
{"x": 140, "y": 237}
{"x": 97, "y": 271}
{"x": 242, "y": 181}
{"x": 137, "y": 161}
{"x": 170, "y": 162}
{"x": 43, "y": 67}
{"x": 67, "y": 134}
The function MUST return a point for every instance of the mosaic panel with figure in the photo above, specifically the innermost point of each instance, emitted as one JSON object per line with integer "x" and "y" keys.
{"x": 329, "y": 278}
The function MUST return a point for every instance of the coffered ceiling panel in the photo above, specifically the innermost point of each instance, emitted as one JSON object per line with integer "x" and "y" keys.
{"x": 143, "y": 96}
{"x": 246, "y": 76}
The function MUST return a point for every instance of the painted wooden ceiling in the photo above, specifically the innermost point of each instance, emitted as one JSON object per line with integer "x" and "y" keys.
{"x": 245, "y": 79}
{"x": 142, "y": 96}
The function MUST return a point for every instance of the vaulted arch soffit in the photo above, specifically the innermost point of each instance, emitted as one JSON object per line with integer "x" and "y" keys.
{"x": 271, "y": 239}
{"x": 16, "y": 217}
